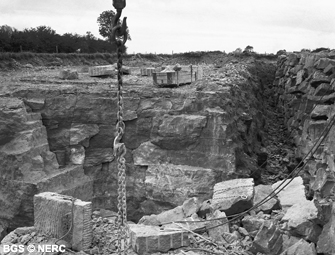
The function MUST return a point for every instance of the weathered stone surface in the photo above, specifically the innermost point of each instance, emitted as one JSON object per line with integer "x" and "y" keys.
{"x": 175, "y": 214}
{"x": 252, "y": 223}
{"x": 3, "y": 230}
{"x": 191, "y": 206}
{"x": 330, "y": 69}
{"x": 52, "y": 212}
{"x": 326, "y": 244}
{"x": 233, "y": 196}
{"x": 148, "y": 154}
{"x": 301, "y": 248}
{"x": 94, "y": 157}
{"x": 68, "y": 75}
{"x": 216, "y": 233}
{"x": 322, "y": 63}
{"x": 268, "y": 240}
{"x": 96, "y": 71}
{"x": 293, "y": 193}
{"x": 261, "y": 192}
{"x": 318, "y": 78}
{"x": 80, "y": 133}
{"x": 149, "y": 239}
{"x": 175, "y": 132}
{"x": 174, "y": 184}
{"x": 302, "y": 220}
{"x": 210, "y": 117}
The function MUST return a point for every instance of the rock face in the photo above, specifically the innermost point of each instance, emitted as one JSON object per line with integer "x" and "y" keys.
{"x": 27, "y": 164}
{"x": 180, "y": 142}
{"x": 306, "y": 93}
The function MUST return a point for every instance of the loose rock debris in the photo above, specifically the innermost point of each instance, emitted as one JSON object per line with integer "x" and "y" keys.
{"x": 182, "y": 231}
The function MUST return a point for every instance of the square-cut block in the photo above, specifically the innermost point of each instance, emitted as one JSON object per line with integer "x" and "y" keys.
{"x": 147, "y": 239}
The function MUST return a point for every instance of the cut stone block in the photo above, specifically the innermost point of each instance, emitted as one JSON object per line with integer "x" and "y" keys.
{"x": 68, "y": 75}
{"x": 53, "y": 217}
{"x": 148, "y": 71}
{"x": 293, "y": 193}
{"x": 302, "y": 219}
{"x": 149, "y": 239}
{"x": 96, "y": 71}
{"x": 233, "y": 196}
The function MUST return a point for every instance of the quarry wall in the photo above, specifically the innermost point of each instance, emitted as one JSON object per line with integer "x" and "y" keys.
{"x": 180, "y": 142}
{"x": 305, "y": 85}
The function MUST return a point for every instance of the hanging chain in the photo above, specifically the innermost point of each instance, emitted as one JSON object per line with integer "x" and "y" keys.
{"x": 119, "y": 31}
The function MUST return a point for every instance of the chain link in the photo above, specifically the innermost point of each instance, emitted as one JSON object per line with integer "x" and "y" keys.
{"x": 120, "y": 148}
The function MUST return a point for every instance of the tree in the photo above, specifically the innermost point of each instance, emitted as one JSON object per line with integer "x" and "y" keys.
{"x": 5, "y": 37}
{"x": 105, "y": 21}
{"x": 248, "y": 49}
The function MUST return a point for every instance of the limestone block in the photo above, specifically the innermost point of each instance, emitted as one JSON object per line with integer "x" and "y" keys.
{"x": 301, "y": 248}
{"x": 191, "y": 206}
{"x": 107, "y": 70}
{"x": 82, "y": 132}
{"x": 147, "y": 71}
{"x": 177, "y": 131}
{"x": 35, "y": 103}
{"x": 323, "y": 89}
{"x": 300, "y": 77}
{"x": 293, "y": 193}
{"x": 326, "y": 244}
{"x": 318, "y": 78}
{"x": 330, "y": 69}
{"x": 268, "y": 240}
{"x": 97, "y": 156}
{"x": 148, "y": 154}
{"x": 53, "y": 216}
{"x": 149, "y": 239}
{"x": 216, "y": 233}
{"x": 175, "y": 183}
{"x": 252, "y": 223}
{"x": 261, "y": 192}
{"x": 321, "y": 110}
{"x": 322, "y": 63}
{"x": 302, "y": 220}
{"x": 68, "y": 75}
{"x": 233, "y": 196}
{"x": 175, "y": 214}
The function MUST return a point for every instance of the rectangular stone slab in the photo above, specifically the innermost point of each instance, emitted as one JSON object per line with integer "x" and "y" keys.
{"x": 148, "y": 239}
{"x": 96, "y": 71}
{"x": 53, "y": 216}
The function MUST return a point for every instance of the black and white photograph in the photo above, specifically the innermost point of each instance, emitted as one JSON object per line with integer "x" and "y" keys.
{"x": 176, "y": 127}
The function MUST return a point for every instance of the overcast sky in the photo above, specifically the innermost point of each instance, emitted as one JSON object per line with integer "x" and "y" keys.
{"x": 163, "y": 26}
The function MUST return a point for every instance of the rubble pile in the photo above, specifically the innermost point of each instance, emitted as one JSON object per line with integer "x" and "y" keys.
{"x": 282, "y": 226}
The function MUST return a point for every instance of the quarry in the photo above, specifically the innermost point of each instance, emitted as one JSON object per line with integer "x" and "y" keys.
{"x": 238, "y": 160}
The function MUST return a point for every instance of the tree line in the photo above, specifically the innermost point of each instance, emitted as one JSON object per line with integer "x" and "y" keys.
{"x": 44, "y": 39}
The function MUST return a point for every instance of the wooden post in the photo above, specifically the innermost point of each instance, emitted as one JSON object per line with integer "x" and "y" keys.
{"x": 56, "y": 48}
{"x": 21, "y": 48}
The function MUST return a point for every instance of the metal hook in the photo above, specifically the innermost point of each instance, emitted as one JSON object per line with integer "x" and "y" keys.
{"x": 117, "y": 29}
